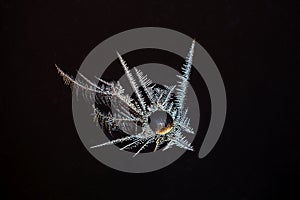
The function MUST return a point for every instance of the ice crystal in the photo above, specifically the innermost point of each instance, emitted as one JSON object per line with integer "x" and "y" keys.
{"x": 134, "y": 113}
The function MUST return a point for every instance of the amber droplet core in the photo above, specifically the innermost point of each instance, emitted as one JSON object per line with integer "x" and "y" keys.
{"x": 161, "y": 122}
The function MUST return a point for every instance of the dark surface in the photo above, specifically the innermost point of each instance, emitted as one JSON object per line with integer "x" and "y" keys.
{"x": 255, "y": 45}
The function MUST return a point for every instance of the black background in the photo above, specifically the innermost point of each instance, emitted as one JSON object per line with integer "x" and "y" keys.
{"x": 255, "y": 45}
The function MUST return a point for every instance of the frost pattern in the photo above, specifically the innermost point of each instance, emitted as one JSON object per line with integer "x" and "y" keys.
{"x": 131, "y": 112}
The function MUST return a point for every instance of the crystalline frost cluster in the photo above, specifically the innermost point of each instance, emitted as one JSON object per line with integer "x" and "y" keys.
{"x": 132, "y": 113}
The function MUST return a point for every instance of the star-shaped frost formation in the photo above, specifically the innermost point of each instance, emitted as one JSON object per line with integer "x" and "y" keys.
{"x": 160, "y": 112}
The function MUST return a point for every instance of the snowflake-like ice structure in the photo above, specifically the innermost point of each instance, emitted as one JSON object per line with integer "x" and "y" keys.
{"x": 160, "y": 112}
